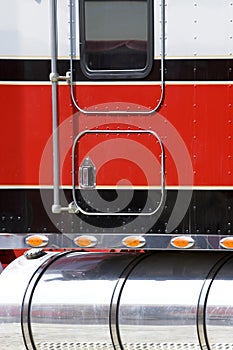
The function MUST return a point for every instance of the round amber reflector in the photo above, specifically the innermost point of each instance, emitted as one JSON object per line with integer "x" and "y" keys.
{"x": 227, "y": 242}
{"x": 37, "y": 241}
{"x": 85, "y": 241}
{"x": 182, "y": 242}
{"x": 134, "y": 241}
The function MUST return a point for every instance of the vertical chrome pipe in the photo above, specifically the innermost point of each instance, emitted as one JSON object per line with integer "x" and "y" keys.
{"x": 56, "y": 207}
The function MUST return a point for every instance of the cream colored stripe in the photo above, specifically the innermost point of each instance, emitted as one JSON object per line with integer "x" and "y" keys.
{"x": 117, "y": 83}
{"x": 3, "y": 187}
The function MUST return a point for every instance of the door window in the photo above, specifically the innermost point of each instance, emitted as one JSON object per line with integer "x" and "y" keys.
{"x": 116, "y": 38}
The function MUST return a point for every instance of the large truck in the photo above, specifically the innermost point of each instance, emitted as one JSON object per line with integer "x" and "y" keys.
{"x": 116, "y": 197}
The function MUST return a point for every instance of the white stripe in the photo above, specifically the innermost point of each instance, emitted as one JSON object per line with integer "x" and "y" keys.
{"x": 13, "y": 57}
{"x": 153, "y": 83}
{"x": 124, "y": 83}
{"x": 196, "y": 57}
{"x": 200, "y": 82}
{"x": 27, "y": 83}
{"x": 50, "y": 187}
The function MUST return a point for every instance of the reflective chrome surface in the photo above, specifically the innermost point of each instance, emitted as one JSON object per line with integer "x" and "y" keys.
{"x": 73, "y": 297}
{"x": 219, "y": 307}
{"x": 160, "y": 298}
{"x": 95, "y": 301}
{"x": 13, "y": 282}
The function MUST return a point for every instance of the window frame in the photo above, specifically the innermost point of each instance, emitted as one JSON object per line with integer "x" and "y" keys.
{"x": 137, "y": 73}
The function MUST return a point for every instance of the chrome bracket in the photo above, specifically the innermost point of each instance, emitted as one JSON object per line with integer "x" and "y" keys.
{"x": 55, "y": 77}
{"x": 87, "y": 174}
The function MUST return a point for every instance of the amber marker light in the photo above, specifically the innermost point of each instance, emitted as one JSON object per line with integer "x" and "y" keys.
{"x": 134, "y": 241}
{"x": 227, "y": 242}
{"x": 37, "y": 241}
{"x": 85, "y": 241}
{"x": 183, "y": 242}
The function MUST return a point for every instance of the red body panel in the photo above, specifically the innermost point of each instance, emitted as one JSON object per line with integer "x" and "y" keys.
{"x": 200, "y": 114}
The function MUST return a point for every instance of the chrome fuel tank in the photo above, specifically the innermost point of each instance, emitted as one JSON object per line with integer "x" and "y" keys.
{"x": 161, "y": 300}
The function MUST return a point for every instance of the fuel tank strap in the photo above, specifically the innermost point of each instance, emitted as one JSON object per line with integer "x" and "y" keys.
{"x": 114, "y": 306}
{"x": 202, "y": 302}
{"x": 26, "y": 302}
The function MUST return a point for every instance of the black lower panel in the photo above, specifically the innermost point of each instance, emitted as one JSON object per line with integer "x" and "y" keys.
{"x": 202, "y": 212}
{"x": 175, "y": 69}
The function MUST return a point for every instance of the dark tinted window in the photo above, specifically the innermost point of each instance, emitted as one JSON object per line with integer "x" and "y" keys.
{"x": 116, "y": 37}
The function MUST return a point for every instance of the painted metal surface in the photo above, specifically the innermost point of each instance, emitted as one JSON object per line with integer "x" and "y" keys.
{"x": 188, "y": 112}
{"x": 194, "y": 124}
{"x": 193, "y": 28}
